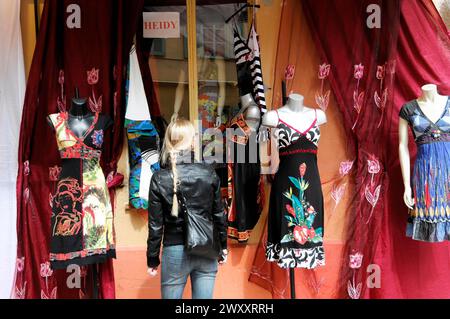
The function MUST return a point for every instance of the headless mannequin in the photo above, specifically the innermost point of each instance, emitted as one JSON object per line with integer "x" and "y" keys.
{"x": 79, "y": 121}
{"x": 432, "y": 105}
{"x": 251, "y": 111}
{"x": 300, "y": 117}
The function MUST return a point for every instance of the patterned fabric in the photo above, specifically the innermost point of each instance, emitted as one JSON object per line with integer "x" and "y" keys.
{"x": 248, "y": 64}
{"x": 430, "y": 219}
{"x": 296, "y": 258}
{"x": 289, "y": 134}
{"x": 295, "y": 228}
{"x": 245, "y": 188}
{"x": 143, "y": 155}
{"x": 82, "y": 221}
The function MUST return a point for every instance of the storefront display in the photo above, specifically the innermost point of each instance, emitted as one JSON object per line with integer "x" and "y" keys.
{"x": 341, "y": 65}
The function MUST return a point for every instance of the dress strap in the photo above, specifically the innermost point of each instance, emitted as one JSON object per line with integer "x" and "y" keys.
{"x": 278, "y": 115}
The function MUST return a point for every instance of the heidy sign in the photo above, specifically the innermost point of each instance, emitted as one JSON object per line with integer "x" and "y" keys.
{"x": 161, "y": 25}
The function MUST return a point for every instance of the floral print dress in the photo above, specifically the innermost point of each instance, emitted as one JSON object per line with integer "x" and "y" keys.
{"x": 430, "y": 219}
{"x": 82, "y": 229}
{"x": 295, "y": 226}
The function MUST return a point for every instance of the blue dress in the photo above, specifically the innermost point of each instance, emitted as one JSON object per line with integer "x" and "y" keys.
{"x": 430, "y": 219}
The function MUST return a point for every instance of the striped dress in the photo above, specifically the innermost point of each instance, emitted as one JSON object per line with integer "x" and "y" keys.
{"x": 248, "y": 64}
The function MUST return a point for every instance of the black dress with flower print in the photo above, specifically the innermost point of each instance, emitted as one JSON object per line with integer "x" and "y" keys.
{"x": 295, "y": 228}
{"x": 82, "y": 220}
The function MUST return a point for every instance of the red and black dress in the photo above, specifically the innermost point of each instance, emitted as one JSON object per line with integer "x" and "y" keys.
{"x": 245, "y": 190}
{"x": 82, "y": 230}
{"x": 295, "y": 226}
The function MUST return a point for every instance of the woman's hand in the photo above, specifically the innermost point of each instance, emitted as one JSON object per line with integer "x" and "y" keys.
{"x": 152, "y": 271}
{"x": 223, "y": 257}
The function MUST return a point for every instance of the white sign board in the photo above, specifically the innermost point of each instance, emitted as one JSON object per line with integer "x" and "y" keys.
{"x": 161, "y": 25}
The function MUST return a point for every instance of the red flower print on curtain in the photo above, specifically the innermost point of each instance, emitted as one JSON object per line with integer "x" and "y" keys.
{"x": 323, "y": 99}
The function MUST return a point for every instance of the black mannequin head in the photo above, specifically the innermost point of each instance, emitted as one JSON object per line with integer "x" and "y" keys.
{"x": 79, "y": 105}
{"x": 80, "y": 117}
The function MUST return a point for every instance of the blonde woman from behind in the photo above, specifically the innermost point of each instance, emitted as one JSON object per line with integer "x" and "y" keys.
{"x": 200, "y": 186}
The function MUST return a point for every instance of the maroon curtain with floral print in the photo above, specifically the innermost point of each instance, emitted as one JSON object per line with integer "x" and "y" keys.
{"x": 374, "y": 72}
{"x": 84, "y": 44}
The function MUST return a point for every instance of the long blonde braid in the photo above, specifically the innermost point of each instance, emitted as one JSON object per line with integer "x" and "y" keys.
{"x": 179, "y": 137}
{"x": 173, "y": 164}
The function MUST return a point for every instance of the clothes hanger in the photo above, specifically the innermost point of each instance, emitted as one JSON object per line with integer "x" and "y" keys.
{"x": 246, "y": 5}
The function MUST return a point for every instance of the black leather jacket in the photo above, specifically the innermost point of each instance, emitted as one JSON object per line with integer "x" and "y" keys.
{"x": 201, "y": 187}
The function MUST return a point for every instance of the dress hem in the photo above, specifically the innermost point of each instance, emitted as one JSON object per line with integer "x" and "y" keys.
{"x": 428, "y": 232}
{"x": 308, "y": 258}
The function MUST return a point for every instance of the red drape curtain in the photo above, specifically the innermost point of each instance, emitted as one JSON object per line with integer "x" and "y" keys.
{"x": 62, "y": 58}
{"x": 410, "y": 49}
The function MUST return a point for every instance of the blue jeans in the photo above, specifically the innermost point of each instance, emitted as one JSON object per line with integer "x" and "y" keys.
{"x": 177, "y": 266}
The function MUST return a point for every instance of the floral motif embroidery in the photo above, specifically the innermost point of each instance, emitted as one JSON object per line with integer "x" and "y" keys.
{"x": 355, "y": 262}
{"x": 26, "y": 168}
{"x": 372, "y": 198}
{"x": 20, "y": 264}
{"x": 92, "y": 76}
{"x": 358, "y": 97}
{"x": 47, "y": 272}
{"x": 20, "y": 291}
{"x": 301, "y": 214}
{"x": 324, "y": 71}
{"x": 359, "y": 71}
{"x": 337, "y": 193}
{"x": 289, "y": 72}
{"x": 97, "y": 138}
{"x": 26, "y": 195}
{"x": 381, "y": 97}
{"x": 61, "y": 99}
{"x": 345, "y": 167}
{"x": 323, "y": 99}
{"x": 92, "y": 79}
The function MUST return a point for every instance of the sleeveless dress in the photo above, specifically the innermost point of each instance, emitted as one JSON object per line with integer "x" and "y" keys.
{"x": 82, "y": 218}
{"x": 295, "y": 225}
{"x": 430, "y": 219}
{"x": 245, "y": 193}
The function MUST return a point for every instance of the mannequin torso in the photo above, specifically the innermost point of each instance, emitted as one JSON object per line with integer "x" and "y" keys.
{"x": 80, "y": 117}
{"x": 295, "y": 113}
{"x": 431, "y": 103}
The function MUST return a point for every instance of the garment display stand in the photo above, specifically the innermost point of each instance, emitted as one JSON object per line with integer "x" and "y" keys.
{"x": 95, "y": 282}
{"x": 292, "y": 282}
